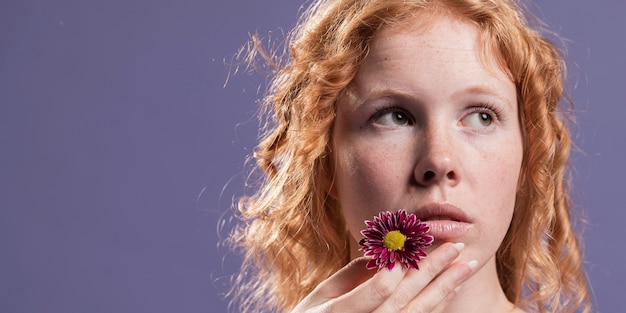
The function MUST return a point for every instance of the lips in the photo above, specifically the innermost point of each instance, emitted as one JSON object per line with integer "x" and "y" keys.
{"x": 445, "y": 220}
{"x": 439, "y": 218}
{"x": 441, "y": 211}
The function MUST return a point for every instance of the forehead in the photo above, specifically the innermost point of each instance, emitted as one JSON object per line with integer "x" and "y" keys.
{"x": 440, "y": 32}
{"x": 425, "y": 54}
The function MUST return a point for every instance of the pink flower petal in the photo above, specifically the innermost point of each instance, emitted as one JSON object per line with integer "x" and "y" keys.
{"x": 409, "y": 255}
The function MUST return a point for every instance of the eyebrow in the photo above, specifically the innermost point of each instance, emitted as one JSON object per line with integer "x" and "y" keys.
{"x": 484, "y": 90}
{"x": 386, "y": 92}
{"x": 382, "y": 93}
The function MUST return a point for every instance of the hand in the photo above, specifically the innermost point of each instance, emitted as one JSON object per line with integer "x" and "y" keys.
{"x": 356, "y": 289}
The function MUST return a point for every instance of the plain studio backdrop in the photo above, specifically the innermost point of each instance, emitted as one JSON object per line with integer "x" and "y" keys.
{"x": 122, "y": 145}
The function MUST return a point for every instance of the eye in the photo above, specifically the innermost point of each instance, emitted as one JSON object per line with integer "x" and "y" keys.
{"x": 392, "y": 117}
{"x": 479, "y": 119}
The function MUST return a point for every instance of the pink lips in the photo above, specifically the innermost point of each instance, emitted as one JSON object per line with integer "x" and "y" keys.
{"x": 446, "y": 221}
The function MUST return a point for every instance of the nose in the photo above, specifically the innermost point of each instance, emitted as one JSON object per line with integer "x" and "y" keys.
{"x": 437, "y": 161}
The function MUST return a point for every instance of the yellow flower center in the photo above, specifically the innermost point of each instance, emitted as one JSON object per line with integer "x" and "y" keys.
{"x": 394, "y": 240}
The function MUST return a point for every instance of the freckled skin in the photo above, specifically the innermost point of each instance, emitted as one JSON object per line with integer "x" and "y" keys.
{"x": 430, "y": 71}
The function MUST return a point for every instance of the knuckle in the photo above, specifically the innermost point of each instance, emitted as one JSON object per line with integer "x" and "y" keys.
{"x": 443, "y": 289}
{"x": 416, "y": 309}
{"x": 399, "y": 298}
{"x": 432, "y": 270}
{"x": 383, "y": 288}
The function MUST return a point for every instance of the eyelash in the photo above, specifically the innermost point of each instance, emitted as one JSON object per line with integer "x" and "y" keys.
{"x": 492, "y": 110}
{"x": 390, "y": 109}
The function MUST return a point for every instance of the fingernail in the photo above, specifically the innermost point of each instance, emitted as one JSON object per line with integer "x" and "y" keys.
{"x": 465, "y": 271}
{"x": 459, "y": 246}
{"x": 452, "y": 254}
{"x": 472, "y": 264}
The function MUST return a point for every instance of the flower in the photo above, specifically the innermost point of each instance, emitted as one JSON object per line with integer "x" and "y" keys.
{"x": 392, "y": 237}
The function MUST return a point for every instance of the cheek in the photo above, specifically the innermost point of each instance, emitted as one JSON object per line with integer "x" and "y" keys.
{"x": 357, "y": 178}
{"x": 510, "y": 165}
{"x": 500, "y": 188}
{"x": 367, "y": 179}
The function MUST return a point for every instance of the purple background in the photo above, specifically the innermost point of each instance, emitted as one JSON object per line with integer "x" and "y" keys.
{"x": 121, "y": 148}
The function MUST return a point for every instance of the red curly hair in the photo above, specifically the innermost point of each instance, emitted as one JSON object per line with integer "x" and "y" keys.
{"x": 292, "y": 233}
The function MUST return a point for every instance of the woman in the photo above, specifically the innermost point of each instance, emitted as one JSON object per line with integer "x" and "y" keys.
{"x": 447, "y": 109}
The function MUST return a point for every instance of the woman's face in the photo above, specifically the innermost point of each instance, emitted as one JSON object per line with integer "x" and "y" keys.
{"x": 430, "y": 127}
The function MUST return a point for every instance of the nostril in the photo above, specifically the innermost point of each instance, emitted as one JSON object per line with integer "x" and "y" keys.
{"x": 450, "y": 175}
{"x": 429, "y": 175}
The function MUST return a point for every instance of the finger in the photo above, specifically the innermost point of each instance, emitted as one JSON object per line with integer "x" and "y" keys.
{"x": 416, "y": 280}
{"x": 441, "y": 307}
{"x": 344, "y": 280}
{"x": 441, "y": 287}
{"x": 369, "y": 295}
